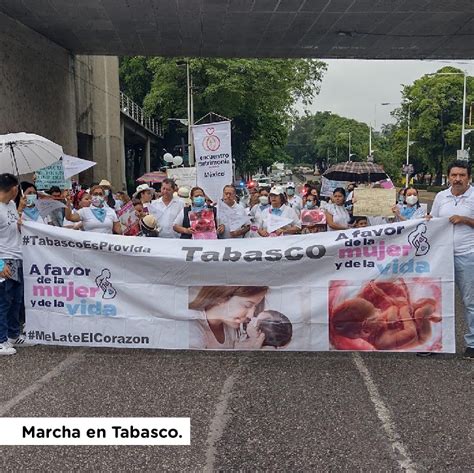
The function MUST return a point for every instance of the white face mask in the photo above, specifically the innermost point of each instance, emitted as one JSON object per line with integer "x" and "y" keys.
{"x": 263, "y": 199}
{"x": 412, "y": 199}
{"x": 97, "y": 201}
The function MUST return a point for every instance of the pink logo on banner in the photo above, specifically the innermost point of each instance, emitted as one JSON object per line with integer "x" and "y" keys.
{"x": 211, "y": 142}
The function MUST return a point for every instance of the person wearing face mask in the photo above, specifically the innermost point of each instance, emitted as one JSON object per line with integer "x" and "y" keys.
{"x": 279, "y": 209}
{"x": 98, "y": 218}
{"x": 255, "y": 213}
{"x": 27, "y": 204}
{"x": 410, "y": 208}
{"x": 293, "y": 200}
{"x": 182, "y": 223}
{"x": 109, "y": 195}
{"x": 310, "y": 221}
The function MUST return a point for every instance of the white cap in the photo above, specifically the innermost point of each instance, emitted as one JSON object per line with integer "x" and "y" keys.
{"x": 277, "y": 190}
{"x": 291, "y": 184}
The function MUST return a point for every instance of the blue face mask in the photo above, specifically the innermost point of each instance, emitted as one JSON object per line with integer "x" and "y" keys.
{"x": 31, "y": 199}
{"x": 310, "y": 205}
{"x": 199, "y": 201}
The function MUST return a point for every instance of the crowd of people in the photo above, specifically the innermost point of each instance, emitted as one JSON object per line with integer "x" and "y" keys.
{"x": 179, "y": 212}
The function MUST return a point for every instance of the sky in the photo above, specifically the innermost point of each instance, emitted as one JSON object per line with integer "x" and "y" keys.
{"x": 357, "y": 88}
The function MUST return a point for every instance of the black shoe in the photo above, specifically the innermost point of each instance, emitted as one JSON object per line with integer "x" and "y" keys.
{"x": 469, "y": 353}
{"x": 425, "y": 353}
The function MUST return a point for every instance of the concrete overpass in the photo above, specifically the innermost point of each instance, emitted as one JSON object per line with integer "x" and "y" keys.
{"x": 364, "y": 29}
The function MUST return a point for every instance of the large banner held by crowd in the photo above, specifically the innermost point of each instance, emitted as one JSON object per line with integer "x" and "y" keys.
{"x": 387, "y": 287}
{"x": 213, "y": 151}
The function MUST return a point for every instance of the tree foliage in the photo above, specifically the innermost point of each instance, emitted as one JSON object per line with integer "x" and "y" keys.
{"x": 257, "y": 95}
{"x": 434, "y": 103}
{"x": 323, "y": 138}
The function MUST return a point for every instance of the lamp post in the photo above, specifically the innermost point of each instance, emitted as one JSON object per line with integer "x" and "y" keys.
{"x": 189, "y": 82}
{"x": 464, "y": 96}
{"x": 349, "y": 136}
{"x": 190, "y": 108}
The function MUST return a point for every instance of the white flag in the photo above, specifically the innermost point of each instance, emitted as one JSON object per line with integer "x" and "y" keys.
{"x": 73, "y": 166}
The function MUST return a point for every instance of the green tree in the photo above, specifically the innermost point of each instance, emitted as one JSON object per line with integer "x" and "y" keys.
{"x": 323, "y": 138}
{"x": 259, "y": 97}
{"x": 435, "y": 106}
{"x": 135, "y": 77}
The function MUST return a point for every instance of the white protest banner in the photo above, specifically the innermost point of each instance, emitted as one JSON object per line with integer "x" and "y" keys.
{"x": 46, "y": 206}
{"x": 73, "y": 165}
{"x": 388, "y": 287}
{"x": 274, "y": 222}
{"x": 51, "y": 176}
{"x": 328, "y": 186}
{"x": 183, "y": 176}
{"x": 213, "y": 151}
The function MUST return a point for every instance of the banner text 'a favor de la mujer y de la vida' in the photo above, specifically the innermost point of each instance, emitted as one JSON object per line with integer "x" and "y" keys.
{"x": 388, "y": 287}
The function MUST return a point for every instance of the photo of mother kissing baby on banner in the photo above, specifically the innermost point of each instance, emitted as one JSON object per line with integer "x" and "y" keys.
{"x": 246, "y": 318}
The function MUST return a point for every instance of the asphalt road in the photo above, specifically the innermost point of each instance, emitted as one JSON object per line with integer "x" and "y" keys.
{"x": 251, "y": 411}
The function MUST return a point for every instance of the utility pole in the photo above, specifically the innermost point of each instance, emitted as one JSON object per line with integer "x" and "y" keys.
{"x": 407, "y": 175}
{"x": 189, "y": 84}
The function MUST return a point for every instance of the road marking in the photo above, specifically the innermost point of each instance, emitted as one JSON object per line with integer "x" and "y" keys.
{"x": 220, "y": 420}
{"x": 383, "y": 413}
{"x": 43, "y": 381}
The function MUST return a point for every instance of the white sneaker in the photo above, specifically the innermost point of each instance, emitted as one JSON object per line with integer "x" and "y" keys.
{"x": 6, "y": 349}
{"x": 20, "y": 341}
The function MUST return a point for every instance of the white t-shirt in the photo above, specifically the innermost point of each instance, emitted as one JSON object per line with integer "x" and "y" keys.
{"x": 39, "y": 219}
{"x": 90, "y": 223}
{"x": 446, "y": 205}
{"x": 339, "y": 214}
{"x": 286, "y": 212}
{"x": 296, "y": 203}
{"x": 228, "y": 216}
{"x": 10, "y": 239}
{"x": 166, "y": 215}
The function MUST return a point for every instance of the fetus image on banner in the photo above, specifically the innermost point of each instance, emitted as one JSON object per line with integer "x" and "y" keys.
{"x": 246, "y": 317}
{"x": 399, "y": 314}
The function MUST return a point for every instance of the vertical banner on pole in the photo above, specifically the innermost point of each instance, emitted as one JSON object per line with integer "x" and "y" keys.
{"x": 213, "y": 151}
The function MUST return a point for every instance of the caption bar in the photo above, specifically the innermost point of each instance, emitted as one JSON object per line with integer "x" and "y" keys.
{"x": 95, "y": 431}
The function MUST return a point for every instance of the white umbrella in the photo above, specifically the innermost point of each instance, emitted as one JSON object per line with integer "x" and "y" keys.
{"x": 21, "y": 153}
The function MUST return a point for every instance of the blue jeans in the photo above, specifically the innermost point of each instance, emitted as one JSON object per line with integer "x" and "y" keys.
{"x": 464, "y": 271}
{"x": 11, "y": 298}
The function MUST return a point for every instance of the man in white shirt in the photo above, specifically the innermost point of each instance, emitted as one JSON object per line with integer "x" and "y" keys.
{"x": 232, "y": 215}
{"x": 293, "y": 200}
{"x": 457, "y": 203}
{"x": 11, "y": 269}
{"x": 166, "y": 209}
